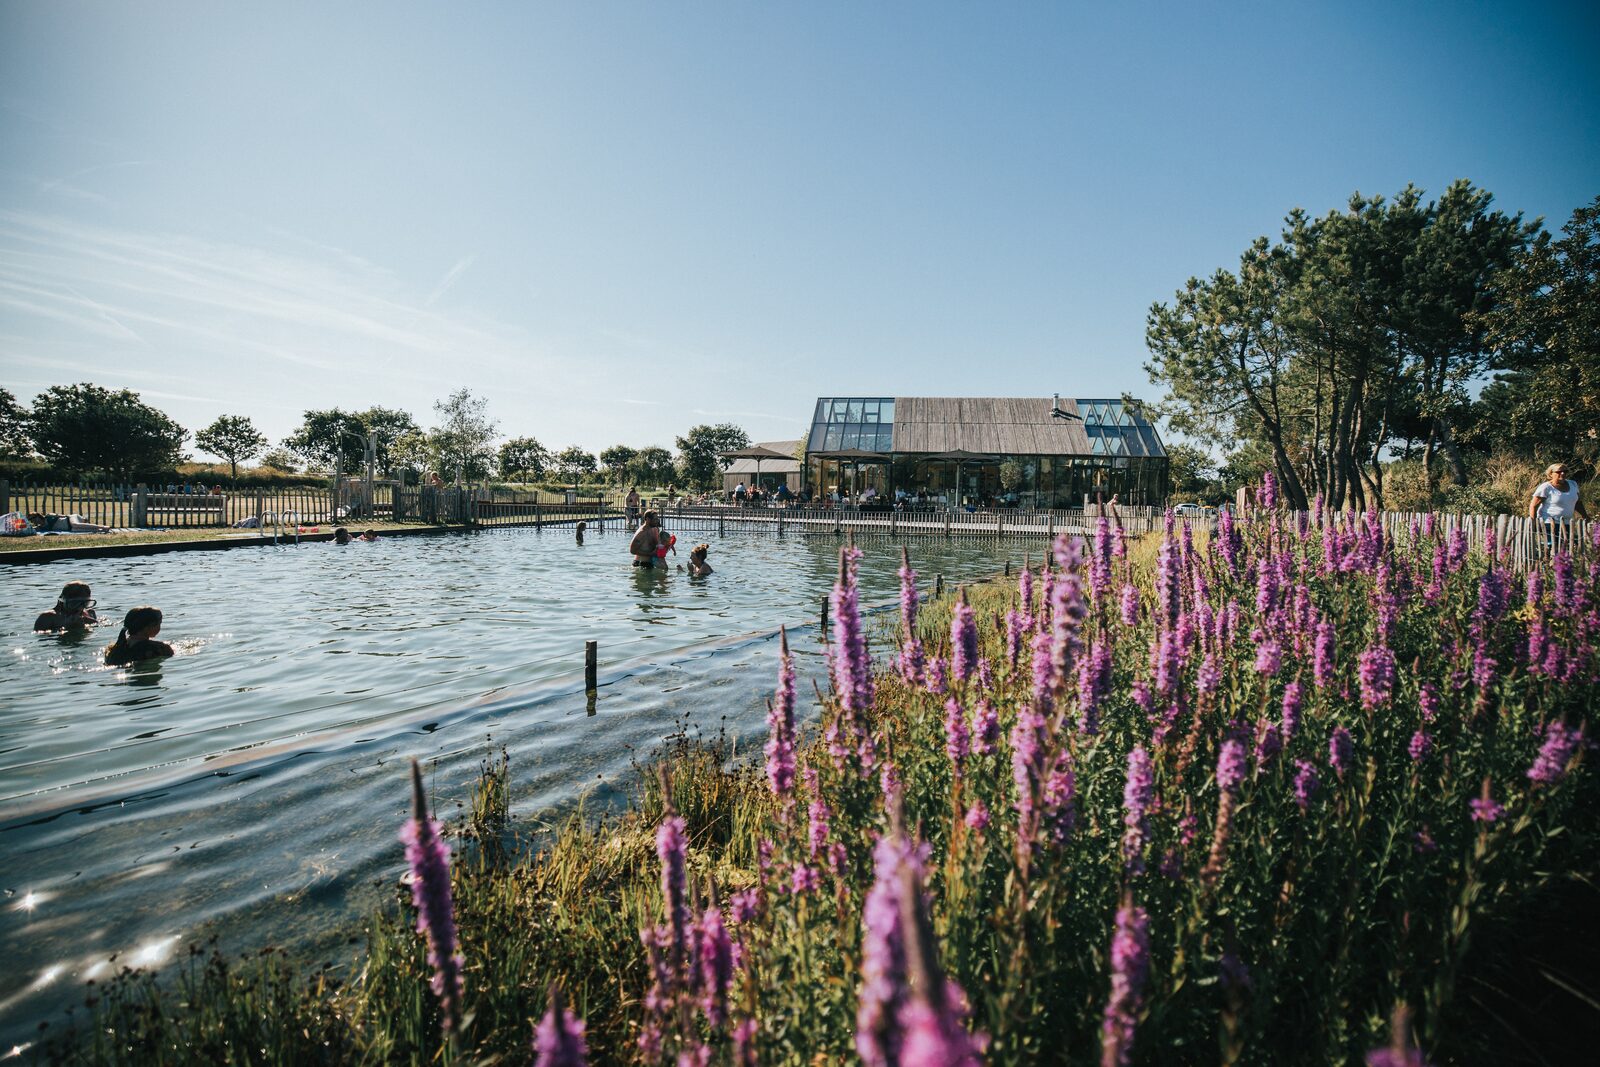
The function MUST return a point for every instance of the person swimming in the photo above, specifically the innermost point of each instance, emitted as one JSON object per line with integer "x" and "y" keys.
{"x": 698, "y": 567}
{"x": 368, "y": 535}
{"x": 74, "y": 609}
{"x": 137, "y": 640}
{"x": 582, "y": 526}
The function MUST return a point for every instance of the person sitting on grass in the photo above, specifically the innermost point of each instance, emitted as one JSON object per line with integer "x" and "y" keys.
{"x": 137, "y": 640}
{"x": 74, "y": 610}
{"x": 341, "y": 536}
{"x": 698, "y": 567}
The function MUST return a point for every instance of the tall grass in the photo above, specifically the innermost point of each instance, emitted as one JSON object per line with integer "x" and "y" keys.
{"x": 1247, "y": 801}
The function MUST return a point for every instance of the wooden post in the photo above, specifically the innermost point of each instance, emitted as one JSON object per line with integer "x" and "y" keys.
{"x": 824, "y": 618}
{"x": 1008, "y": 568}
{"x": 1051, "y": 533}
{"x": 720, "y": 530}
{"x": 780, "y": 523}
{"x": 140, "y": 502}
{"x": 591, "y": 664}
{"x": 947, "y": 523}
{"x": 5, "y": 497}
{"x": 999, "y": 524}
{"x": 894, "y": 523}
{"x": 938, "y": 586}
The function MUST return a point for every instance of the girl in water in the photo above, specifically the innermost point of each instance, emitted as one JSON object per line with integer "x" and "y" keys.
{"x": 698, "y": 567}
{"x": 137, "y": 640}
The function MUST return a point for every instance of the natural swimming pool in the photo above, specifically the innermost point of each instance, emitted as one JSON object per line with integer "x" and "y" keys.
{"x": 252, "y": 785}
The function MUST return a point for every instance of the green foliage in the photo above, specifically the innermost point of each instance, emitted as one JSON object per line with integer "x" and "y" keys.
{"x": 619, "y": 462}
{"x": 575, "y": 463}
{"x": 388, "y": 426}
{"x": 524, "y": 458}
{"x": 1010, "y": 474}
{"x": 1193, "y": 474}
{"x": 13, "y": 428}
{"x": 1545, "y": 330}
{"x": 1353, "y": 334}
{"x": 86, "y": 428}
{"x": 329, "y": 438}
{"x": 699, "y": 453}
{"x": 653, "y": 466}
{"x": 233, "y": 437}
{"x": 280, "y": 459}
{"x": 463, "y": 442}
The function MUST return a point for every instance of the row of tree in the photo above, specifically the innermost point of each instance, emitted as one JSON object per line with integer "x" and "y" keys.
{"x": 1368, "y": 335}
{"x": 86, "y": 428}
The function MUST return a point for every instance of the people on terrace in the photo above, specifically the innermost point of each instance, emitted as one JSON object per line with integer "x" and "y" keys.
{"x": 74, "y": 610}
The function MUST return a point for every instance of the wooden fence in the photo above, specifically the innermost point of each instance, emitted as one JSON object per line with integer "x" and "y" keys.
{"x": 129, "y": 507}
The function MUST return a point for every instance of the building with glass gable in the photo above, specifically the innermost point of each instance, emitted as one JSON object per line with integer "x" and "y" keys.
{"x": 1020, "y": 451}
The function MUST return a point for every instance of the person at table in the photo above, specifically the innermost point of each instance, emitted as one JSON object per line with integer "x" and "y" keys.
{"x": 646, "y": 540}
{"x": 74, "y": 610}
{"x": 137, "y": 640}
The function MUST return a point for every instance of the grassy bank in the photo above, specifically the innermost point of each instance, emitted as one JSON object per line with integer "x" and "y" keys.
{"x": 1251, "y": 801}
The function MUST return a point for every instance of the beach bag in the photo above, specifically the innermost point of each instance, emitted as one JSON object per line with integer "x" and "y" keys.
{"x": 16, "y": 524}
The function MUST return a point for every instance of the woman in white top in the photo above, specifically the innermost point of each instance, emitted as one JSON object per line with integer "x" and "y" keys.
{"x": 1555, "y": 501}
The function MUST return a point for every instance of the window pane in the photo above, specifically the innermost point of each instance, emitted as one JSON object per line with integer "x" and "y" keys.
{"x": 854, "y": 412}
{"x": 886, "y": 411}
{"x": 834, "y": 433}
{"x": 869, "y": 411}
{"x": 885, "y": 438}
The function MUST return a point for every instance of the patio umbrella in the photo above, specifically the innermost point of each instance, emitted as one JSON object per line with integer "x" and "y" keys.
{"x": 755, "y": 452}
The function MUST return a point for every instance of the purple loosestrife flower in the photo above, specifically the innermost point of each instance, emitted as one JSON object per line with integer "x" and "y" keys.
{"x": 1228, "y": 540}
{"x": 852, "y": 663}
{"x": 1165, "y": 663}
{"x": 1269, "y": 655}
{"x": 1494, "y": 593}
{"x": 908, "y": 595}
{"x": 1421, "y": 745}
{"x": 1027, "y": 768}
{"x": 1025, "y": 592}
{"x": 1428, "y": 701}
{"x": 804, "y": 879}
{"x": 883, "y": 954}
{"x": 818, "y": 815}
{"x": 1306, "y": 783}
{"x": 1231, "y": 764}
{"x": 1341, "y": 750}
{"x": 957, "y": 738}
{"x": 744, "y": 905}
{"x": 1267, "y": 495}
{"x": 1456, "y": 550}
{"x": 977, "y": 817}
{"x": 672, "y": 849}
{"x": 558, "y": 1039}
{"x": 932, "y": 1018}
{"x": 1014, "y": 632}
{"x": 1130, "y": 966}
{"x": 1269, "y": 742}
{"x": 1486, "y": 810}
{"x": 1535, "y": 587}
{"x": 1136, "y": 794}
{"x": 1168, "y": 591}
{"x": 1210, "y": 676}
{"x": 1266, "y": 591}
{"x": 1538, "y": 644}
{"x": 936, "y": 677}
{"x": 1094, "y": 682}
{"x": 1292, "y": 699}
{"x": 963, "y": 640}
{"x": 1041, "y": 670}
{"x": 1067, "y": 614}
{"x": 1375, "y": 670}
{"x": 1100, "y": 560}
{"x": 1560, "y": 745}
{"x": 714, "y": 962}
{"x": 744, "y": 1044}
{"x": 1129, "y": 605}
{"x": 1399, "y": 1052}
{"x": 1060, "y": 800}
{"x": 780, "y": 727}
{"x": 985, "y": 728}
{"x": 1322, "y": 652}
{"x": 1485, "y": 668}
{"x": 429, "y": 859}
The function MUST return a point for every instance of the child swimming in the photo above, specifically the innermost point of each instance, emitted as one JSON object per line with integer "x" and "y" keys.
{"x": 74, "y": 609}
{"x": 698, "y": 567}
{"x": 137, "y": 640}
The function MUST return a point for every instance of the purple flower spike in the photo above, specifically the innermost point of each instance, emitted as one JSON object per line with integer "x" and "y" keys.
{"x": 1130, "y": 965}
{"x": 1292, "y": 699}
{"x": 1129, "y": 605}
{"x": 1375, "y": 670}
{"x": 429, "y": 859}
{"x": 672, "y": 848}
{"x": 884, "y": 991}
{"x": 852, "y": 663}
{"x": 1136, "y": 795}
{"x": 558, "y": 1039}
{"x": 714, "y": 962}
{"x": 1322, "y": 654}
{"x": 963, "y": 640}
{"x": 1486, "y": 810}
{"x": 1341, "y": 750}
{"x": 1555, "y": 755}
{"x": 1306, "y": 783}
{"x": 957, "y": 738}
{"x": 1421, "y": 745}
{"x": 780, "y": 726}
{"x": 1230, "y": 766}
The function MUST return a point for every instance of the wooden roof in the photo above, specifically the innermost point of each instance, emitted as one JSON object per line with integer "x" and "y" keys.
{"x": 768, "y": 466}
{"x": 1012, "y": 426}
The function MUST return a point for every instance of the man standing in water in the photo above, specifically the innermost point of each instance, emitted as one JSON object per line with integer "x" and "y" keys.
{"x": 646, "y": 540}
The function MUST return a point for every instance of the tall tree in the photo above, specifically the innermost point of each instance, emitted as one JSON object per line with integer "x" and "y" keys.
{"x": 464, "y": 438}
{"x": 523, "y": 457}
{"x": 699, "y": 452}
{"x": 618, "y": 460}
{"x": 86, "y": 427}
{"x": 233, "y": 437}
{"x": 386, "y": 425}
{"x": 574, "y": 462}
{"x": 13, "y": 428}
{"x": 329, "y": 438}
{"x": 1545, "y": 331}
{"x": 653, "y": 466}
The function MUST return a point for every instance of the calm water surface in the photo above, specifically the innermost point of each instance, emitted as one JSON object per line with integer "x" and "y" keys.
{"x": 251, "y": 787}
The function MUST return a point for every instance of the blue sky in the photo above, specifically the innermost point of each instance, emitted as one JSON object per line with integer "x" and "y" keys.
{"x": 617, "y": 220}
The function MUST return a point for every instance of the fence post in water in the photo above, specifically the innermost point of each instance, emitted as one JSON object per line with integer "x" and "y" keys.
{"x": 824, "y": 618}
{"x": 938, "y": 586}
{"x": 780, "y": 524}
{"x": 591, "y": 664}
{"x": 947, "y": 524}
{"x": 720, "y": 530}
{"x": 1008, "y": 568}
